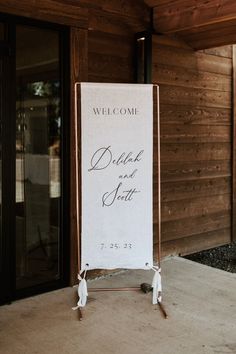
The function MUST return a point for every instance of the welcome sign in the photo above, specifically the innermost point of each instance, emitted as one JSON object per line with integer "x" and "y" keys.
{"x": 116, "y": 179}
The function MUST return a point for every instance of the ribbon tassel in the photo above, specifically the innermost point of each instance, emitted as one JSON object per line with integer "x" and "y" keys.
{"x": 157, "y": 286}
{"x": 82, "y": 292}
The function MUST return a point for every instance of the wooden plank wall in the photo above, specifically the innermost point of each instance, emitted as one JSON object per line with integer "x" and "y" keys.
{"x": 111, "y": 57}
{"x": 195, "y": 93}
{"x": 196, "y": 123}
{"x": 201, "y": 23}
{"x": 112, "y": 26}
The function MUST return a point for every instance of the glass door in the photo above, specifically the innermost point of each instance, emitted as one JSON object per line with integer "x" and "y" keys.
{"x": 38, "y": 156}
{"x": 33, "y": 250}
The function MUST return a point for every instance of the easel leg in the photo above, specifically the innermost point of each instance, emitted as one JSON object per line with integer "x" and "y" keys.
{"x": 163, "y": 311}
{"x": 80, "y": 314}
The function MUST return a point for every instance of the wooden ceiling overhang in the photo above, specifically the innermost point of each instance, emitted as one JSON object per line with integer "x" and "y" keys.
{"x": 200, "y": 23}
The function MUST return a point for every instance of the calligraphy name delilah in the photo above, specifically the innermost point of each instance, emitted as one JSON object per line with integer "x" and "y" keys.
{"x": 102, "y": 158}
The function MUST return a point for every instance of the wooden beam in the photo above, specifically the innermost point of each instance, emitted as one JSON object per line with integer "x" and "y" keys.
{"x": 214, "y": 35}
{"x": 153, "y": 3}
{"x": 178, "y": 15}
{"x": 68, "y": 12}
{"x": 208, "y": 42}
{"x": 79, "y": 73}
{"x": 120, "y": 7}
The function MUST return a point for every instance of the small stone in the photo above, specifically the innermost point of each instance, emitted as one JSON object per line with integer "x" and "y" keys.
{"x": 146, "y": 288}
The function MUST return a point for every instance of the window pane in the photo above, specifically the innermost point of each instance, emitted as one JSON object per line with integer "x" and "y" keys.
{"x": 2, "y": 31}
{"x": 38, "y": 145}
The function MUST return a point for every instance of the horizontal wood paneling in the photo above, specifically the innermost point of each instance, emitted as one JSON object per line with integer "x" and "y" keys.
{"x": 173, "y": 191}
{"x": 195, "y": 133}
{"x": 103, "y": 66}
{"x": 195, "y": 225}
{"x": 176, "y": 76}
{"x": 192, "y": 170}
{"x": 110, "y": 57}
{"x": 184, "y": 58}
{"x": 107, "y": 43}
{"x": 196, "y": 144}
{"x": 194, "y": 115}
{"x": 196, "y": 243}
{"x": 194, "y": 206}
{"x": 195, "y": 152}
{"x": 192, "y": 96}
{"x": 213, "y": 63}
{"x": 225, "y": 51}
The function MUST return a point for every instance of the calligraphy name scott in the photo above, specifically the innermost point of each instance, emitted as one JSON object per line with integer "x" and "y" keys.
{"x": 103, "y": 157}
{"x": 109, "y": 198}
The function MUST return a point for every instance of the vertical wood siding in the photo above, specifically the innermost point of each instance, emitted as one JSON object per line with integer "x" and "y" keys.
{"x": 196, "y": 123}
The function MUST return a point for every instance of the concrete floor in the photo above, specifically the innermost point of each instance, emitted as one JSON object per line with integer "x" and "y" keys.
{"x": 200, "y": 301}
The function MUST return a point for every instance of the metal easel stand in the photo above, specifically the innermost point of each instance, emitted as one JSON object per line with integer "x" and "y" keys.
{"x": 156, "y": 114}
{"x": 160, "y": 305}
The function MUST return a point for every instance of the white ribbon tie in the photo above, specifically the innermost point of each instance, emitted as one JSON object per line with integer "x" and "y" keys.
{"x": 156, "y": 285}
{"x": 82, "y": 291}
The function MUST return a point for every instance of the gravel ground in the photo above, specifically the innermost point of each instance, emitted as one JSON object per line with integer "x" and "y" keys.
{"x": 223, "y": 257}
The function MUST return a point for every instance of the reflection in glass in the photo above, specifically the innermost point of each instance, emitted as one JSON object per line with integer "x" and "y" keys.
{"x": 38, "y": 139}
{"x": 2, "y": 31}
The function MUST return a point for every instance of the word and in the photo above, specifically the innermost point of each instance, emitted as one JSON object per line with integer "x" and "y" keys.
{"x": 103, "y": 157}
{"x": 109, "y": 198}
{"x": 115, "y": 111}
{"x": 129, "y": 175}
{"x": 116, "y": 246}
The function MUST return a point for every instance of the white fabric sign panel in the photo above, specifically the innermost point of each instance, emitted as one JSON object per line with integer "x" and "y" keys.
{"x": 117, "y": 160}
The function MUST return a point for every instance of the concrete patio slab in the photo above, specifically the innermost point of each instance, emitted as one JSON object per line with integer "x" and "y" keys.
{"x": 200, "y": 301}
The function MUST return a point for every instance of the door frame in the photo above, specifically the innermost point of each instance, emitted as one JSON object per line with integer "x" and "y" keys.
{"x": 8, "y": 194}
{"x": 9, "y": 156}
